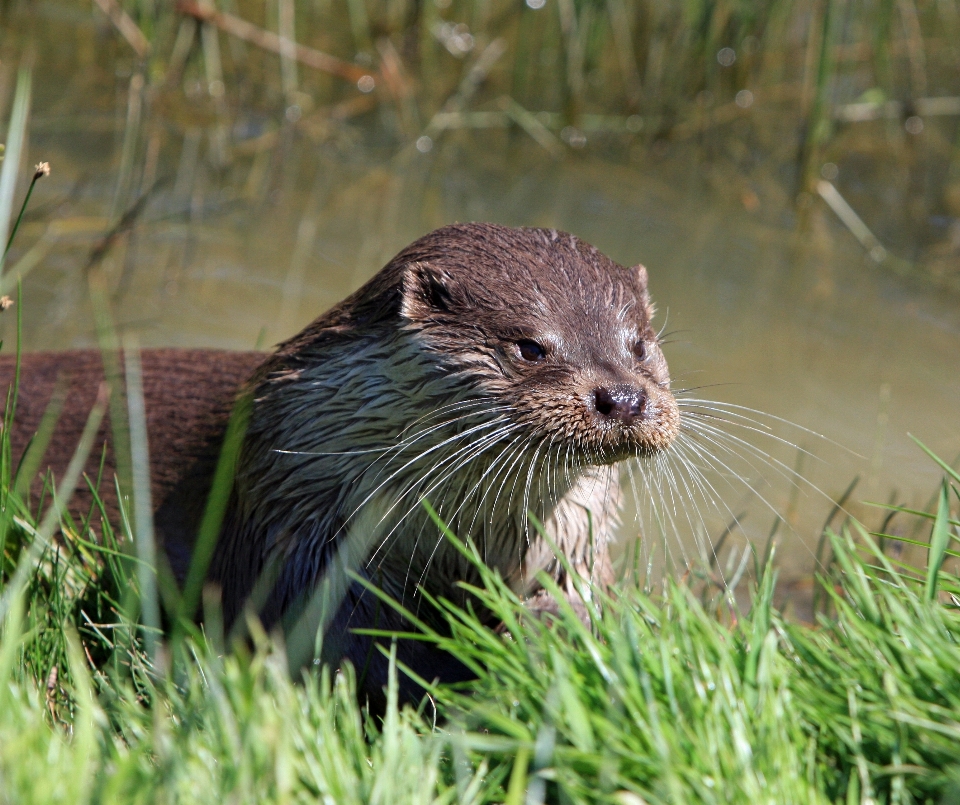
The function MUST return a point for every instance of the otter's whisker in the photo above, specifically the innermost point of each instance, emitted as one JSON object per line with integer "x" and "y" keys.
{"x": 422, "y": 494}
{"x": 477, "y": 448}
{"x": 437, "y": 544}
{"x": 459, "y": 405}
{"x": 718, "y": 405}
{"x": 450, "y": 466}
{"x": 713, "y": 496}
{"x": 660, "y": 502}
{"x": 685, "y": 480}
{"x": 493, "y": 468}
{"x": 507, "y": 469}
{"x": 419, "y": 435}
{"x": 379, "y": 487}
{"x": 763, "y": 430}
{"x": 723, "y": 440}
{"x": 725, "y": 443}
{"x": 714, "y": 462}
{"x": 465, "y": 499}
{"x": 660, "y": 332}
{"x": 706, "y": 489}
{"x": 441, "y": 444}
{"x": 526, "y": 490}
{"x": 332, "y": 453}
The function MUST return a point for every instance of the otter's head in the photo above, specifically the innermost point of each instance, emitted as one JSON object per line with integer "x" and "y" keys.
{"x": 545, "y": 324}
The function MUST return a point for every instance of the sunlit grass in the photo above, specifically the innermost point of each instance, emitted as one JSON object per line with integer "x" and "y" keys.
{"x": 662, "y": 697}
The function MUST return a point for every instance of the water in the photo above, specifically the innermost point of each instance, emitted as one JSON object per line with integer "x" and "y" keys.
{"x": 789, "y": 320}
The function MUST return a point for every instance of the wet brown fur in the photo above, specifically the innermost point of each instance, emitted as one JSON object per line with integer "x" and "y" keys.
{"x": 189, "y": 394}
{"x": 348, "y": 431}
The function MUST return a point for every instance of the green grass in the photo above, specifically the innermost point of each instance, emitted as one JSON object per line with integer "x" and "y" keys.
{"x": 665, "y": 697}
{"x": 658, "y": 702}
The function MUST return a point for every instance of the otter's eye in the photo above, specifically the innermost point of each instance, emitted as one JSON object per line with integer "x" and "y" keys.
{"x": 531, "y": 350}
{"x": 640, "y": 351}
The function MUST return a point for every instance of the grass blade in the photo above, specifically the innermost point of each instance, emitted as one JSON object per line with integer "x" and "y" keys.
{"x": 43, "y": 534}
{"x": 943, "y": 464}
{"x": 216, "y": 507}
{"x": 42, "y": 169}
{"x": 939, "y": 539}
{"x": 142, "y": 507}
{"x": 14, "y": 145}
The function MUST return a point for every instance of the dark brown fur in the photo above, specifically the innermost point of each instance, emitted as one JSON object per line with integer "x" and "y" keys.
{"x": 347, "y": 432}
{"x": 189, "y": 394}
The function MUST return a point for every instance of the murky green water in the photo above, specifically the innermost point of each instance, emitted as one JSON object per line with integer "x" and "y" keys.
{"x": 796, "y": 323}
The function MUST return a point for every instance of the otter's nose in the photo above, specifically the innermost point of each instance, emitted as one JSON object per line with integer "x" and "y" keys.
{"x": 622, "y": 402}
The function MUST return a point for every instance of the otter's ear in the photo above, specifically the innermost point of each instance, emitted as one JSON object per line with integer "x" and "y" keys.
{"x": 640, "y": 275}
{"x": 426, "y": 292}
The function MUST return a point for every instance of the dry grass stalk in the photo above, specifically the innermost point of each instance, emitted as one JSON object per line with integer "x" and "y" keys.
{"x": 268, "y": 40}
{"x": 126, "y": 26}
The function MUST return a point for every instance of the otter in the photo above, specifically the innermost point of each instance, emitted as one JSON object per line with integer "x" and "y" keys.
{"x": 495, "y": 373}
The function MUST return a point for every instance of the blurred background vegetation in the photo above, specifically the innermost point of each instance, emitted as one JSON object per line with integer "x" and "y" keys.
{"x": 774, "y": 97}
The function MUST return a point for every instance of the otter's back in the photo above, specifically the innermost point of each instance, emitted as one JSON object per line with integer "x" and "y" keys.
{"x": 188, "y": 393}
